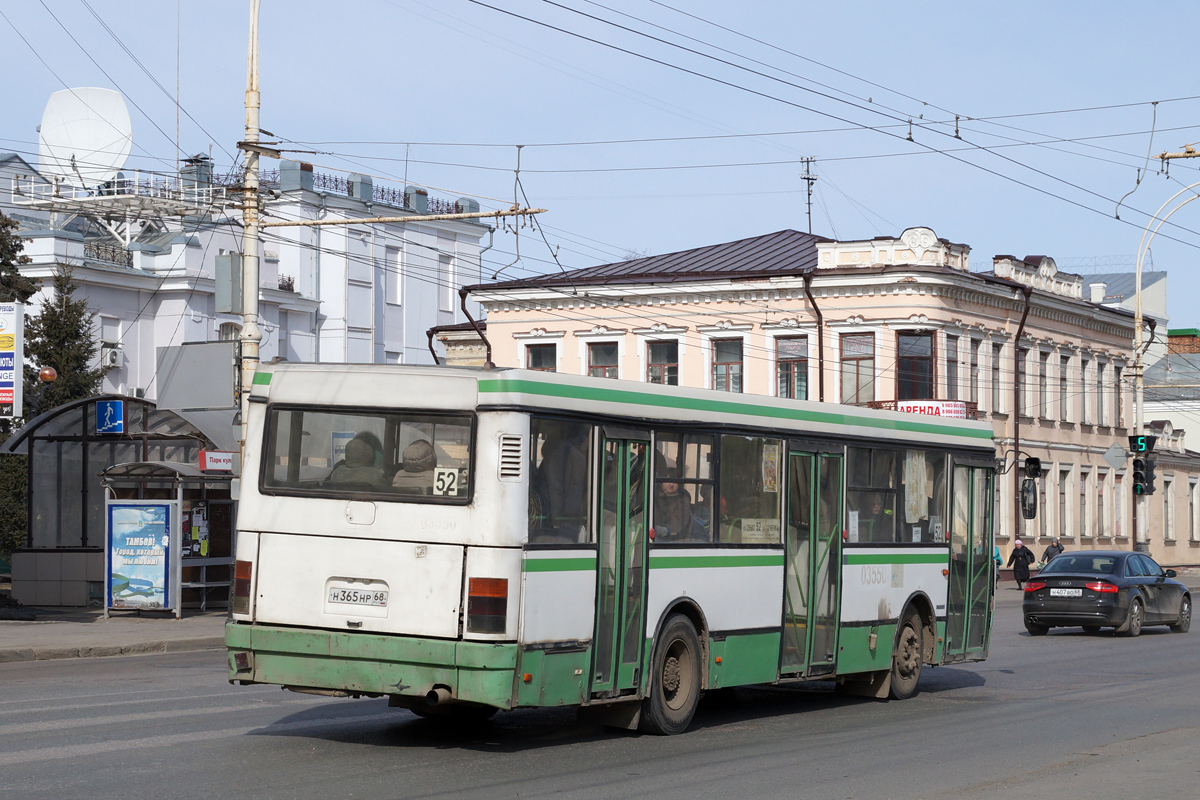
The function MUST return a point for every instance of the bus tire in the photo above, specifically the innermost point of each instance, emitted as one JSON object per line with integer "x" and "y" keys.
{"x": 907, "y": 658}
{"x": 675, "y": 680}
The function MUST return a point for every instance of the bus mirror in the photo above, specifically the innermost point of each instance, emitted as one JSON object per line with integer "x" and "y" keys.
{"x": 235, "y": 489}
{"x": 1029, "y": 498}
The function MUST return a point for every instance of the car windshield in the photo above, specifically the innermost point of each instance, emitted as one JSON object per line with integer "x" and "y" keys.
{"x": 409, "y": 457}
{"x": 1082, "y": 562}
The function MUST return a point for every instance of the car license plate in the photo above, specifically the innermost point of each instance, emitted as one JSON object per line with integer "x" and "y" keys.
{"x": 1066, "y": 592}
{"x": 358, "y": 597}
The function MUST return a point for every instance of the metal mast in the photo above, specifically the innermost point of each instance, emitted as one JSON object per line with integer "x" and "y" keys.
{"x": 251, "y": 334}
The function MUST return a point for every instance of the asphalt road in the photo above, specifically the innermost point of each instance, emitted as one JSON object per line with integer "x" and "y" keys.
{"x": 1063, "y": 716}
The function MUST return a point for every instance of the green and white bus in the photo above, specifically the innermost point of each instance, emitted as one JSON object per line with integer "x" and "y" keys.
{"x": 466, "y": 540}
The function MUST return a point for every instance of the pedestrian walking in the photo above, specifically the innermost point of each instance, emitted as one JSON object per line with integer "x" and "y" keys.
{"x": 1052, "y": 550}
{"x": 1020, "y": 559}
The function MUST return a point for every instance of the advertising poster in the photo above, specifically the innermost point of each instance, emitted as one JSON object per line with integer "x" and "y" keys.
{"x": 140, "y": 554}
{"x": 12, "y": 352}
{"x": 770, "y": 468}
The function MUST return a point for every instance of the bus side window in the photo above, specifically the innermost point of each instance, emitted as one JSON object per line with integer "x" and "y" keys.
{"x": 750, "y": 494}
{"x": 923, "y": 480}
{"x": 683, "y": 488}
{"x": 559, "y": 496}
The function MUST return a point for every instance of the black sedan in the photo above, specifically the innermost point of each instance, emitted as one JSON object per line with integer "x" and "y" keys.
{"x": 1105, "y": 588}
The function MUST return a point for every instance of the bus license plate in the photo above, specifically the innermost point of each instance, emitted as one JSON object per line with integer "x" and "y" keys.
{"x": 358, "y": 597}
{"x": 1066, "y": 592}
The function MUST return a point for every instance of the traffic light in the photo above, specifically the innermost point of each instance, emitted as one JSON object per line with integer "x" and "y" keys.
{"x": 1143, "y": 476}
{"x": 1033, "y": 467}
{"x": 1142, "y": 444}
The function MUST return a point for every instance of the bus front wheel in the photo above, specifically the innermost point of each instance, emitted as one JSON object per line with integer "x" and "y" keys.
{"x": 676, "y": 678}
{"x": 907, "y": 658}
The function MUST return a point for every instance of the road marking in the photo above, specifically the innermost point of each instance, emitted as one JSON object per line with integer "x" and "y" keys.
{"x": 81, "y": 750}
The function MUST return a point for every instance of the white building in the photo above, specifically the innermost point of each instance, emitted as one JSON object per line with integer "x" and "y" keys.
{"x": 145, "y": 251}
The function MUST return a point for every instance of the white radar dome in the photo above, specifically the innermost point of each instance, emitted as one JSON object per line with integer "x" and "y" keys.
{"x": 85, "y": 136}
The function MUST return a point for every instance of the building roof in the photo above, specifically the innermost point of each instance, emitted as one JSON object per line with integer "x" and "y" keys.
{"x": 1121, "y": 286}
{"x": 785, "y": 252}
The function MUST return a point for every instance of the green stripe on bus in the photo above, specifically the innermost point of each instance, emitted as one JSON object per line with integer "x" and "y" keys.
{"x": 262, "y": 378}
{"x": 852, "y": 559}
{"x": 591, "y": 393}
{"x": 558, "y": 564}
{"x": 696, "y": 562}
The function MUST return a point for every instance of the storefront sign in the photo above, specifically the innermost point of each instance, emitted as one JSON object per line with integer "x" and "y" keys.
{"x": 955, "y": 409}
{"x": 12, "y": 352}
{"x": 141, "y": 555}
{"x": 216, "y": 461}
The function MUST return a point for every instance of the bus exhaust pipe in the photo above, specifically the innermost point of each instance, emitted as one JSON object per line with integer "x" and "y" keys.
{"x": 437, "y": 696}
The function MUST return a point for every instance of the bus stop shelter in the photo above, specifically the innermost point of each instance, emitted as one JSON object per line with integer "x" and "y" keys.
{"x": 206, "y": 527}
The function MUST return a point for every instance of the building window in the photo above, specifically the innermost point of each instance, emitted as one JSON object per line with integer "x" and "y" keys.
{"x": 975, "y": 371}
{"x": 1168, "y": 510}
{"x": 997, "y": 386}
{"x": 602, "y": 359}
{"x": 1064, "y": 482}
{"x": 662, "y": 363}
{"x": 727, "y": 365}
{"x": 1119, "y": 507}
{"x": 541, "y": 357}
{"x": 858, "y": 368}
{"x": 1043, "y": 399}
{"x": 1064, "y": 397}
{"x": 951, "y": 367}
{"x": 229, "y": 332}
{"x": 393, "y": 278}
{"x": 1022, "y": 360}
{"x": 1101, "y": 417}
{"x": 791, "y": 359}
{"x": 1120, "y": 399}
{"x": 1192, "y": 510}
{"x": 1084, "y": 417}
{"x": 446, "y": 290}
{"x": 914, "y": 366}
{"x": 1043, "y": 508}
{"x": 1101, "y": 509}
{"x": 1084, "y": 478}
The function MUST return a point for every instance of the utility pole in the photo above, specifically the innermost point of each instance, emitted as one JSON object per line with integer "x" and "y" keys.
{"x": 810, "y": 179}
{"x": 251, "y": 334}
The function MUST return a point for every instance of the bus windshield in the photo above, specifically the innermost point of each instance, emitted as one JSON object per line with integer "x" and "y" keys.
{"x": 406, "y": 457}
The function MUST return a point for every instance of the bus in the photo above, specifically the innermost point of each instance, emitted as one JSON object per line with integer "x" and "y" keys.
{"x": 466, "y": 540}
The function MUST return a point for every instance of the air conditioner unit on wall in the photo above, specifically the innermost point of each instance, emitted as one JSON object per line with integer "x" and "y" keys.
{"x": 110, "y": 356}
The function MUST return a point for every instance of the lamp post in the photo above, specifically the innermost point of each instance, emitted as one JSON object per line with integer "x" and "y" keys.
{"x": 1140, "y": 538}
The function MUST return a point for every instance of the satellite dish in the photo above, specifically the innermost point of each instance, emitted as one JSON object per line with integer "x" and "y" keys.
{"x": 85, "y": 136}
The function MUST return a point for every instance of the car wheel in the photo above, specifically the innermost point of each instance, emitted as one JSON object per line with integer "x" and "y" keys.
{"x": 1091, "y": 628}
{"x": 675, "y": 688}
{"x": 907, "y": 658}
{"x": 1185, "y": 616}
{"x": 1133, "y": 624}
{"x": 1036, "y": 629}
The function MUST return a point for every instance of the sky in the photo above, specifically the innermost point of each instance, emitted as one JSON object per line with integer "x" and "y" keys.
{"x": 647, "y": 127}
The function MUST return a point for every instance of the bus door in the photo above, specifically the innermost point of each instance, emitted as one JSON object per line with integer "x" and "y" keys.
{"x": 621, "y": 582}
{"x": 968, "y": 606}
{"x": 813, "y": 567}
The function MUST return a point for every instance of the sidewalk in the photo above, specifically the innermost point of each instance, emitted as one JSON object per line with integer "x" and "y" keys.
{"x": 85, "y": 633}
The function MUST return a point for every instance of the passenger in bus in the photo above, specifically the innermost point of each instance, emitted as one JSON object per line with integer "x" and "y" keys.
{"x": 415, "y": 475}
{"x": 672, "y": 509}
{"x": 879, "y": 520}
{"x": 358, "y": 465}
{"x": 563, "y": 474}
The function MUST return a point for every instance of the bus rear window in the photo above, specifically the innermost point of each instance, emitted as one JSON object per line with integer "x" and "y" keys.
{"x": 406, "y": 457}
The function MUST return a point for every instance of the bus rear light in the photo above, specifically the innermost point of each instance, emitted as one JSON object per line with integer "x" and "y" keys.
{"x": 487, "y": 605}
{"x": 242, "y": 572}
{"x": 1101, "y": 587}
{"x": 1033, "y": 586}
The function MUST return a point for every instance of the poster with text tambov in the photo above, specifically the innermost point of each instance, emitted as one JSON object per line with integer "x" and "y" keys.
{"x": 139, "y": 555}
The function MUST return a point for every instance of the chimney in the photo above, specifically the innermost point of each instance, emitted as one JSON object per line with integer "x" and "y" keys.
{"x": 1098, "y": 290}
{"x": 295, "y": 175}
{"x": 417, "y": 199}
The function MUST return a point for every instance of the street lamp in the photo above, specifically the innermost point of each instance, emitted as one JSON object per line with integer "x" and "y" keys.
{"x": 1140, "y": 538}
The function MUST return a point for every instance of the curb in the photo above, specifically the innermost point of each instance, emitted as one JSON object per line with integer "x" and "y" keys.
{"x": 108, "y": 651}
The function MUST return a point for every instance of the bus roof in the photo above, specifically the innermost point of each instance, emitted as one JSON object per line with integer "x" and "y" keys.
{"x": 471, "y": 388}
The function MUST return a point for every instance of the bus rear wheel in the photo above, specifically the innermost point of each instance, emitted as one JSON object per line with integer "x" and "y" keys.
{"x": 675, "y": 679}
{"x": 907, "y": 658}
